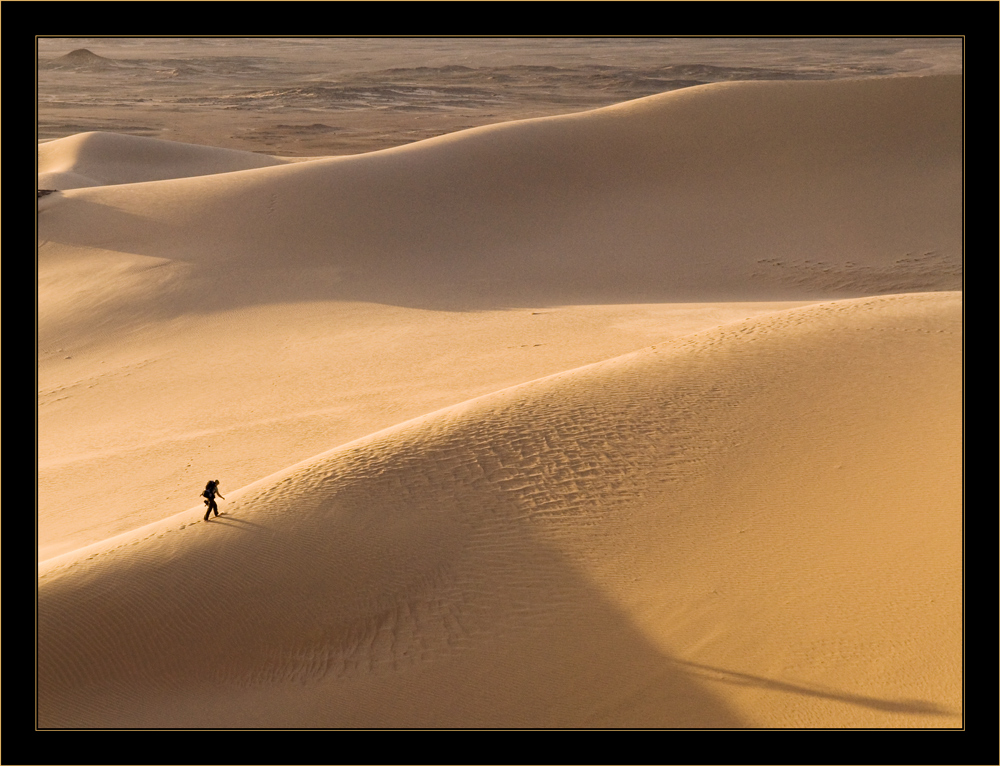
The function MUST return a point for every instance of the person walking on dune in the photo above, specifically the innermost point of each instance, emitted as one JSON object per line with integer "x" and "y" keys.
{"x": 211, "y": 490}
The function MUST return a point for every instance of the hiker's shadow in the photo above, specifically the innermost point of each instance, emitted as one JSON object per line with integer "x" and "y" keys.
{"x": 236, "y": 522}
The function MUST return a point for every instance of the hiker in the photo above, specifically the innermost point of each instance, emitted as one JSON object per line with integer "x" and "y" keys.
{"x": 211, "y": 490}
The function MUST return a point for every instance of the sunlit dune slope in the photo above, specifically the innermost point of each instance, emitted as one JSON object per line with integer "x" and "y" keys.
{"x": 757, "y": 525}
{"x": 101, "y": 159}
{"x": 744, "y": 190}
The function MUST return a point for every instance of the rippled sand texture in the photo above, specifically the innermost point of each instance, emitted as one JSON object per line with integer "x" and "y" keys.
{"x": 643, "y": 415}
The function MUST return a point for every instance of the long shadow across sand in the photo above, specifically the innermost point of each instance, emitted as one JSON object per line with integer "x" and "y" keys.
{"x": 733, "y": 678}
{"x": 531, "y": 643}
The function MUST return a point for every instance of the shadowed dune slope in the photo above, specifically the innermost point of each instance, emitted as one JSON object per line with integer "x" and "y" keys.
{"x": 754, "y": 525}
{"x": 746, "y": 190}
{"x": 102, "y": 159}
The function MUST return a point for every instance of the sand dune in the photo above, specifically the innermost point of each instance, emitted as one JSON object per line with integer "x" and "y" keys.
{"x": 745, "y": 527}
{"x": 178, "y": 299}
{"x": 102, "y": 159}
{"x": 726, "y": 191}
{"x": 456, "y": 493}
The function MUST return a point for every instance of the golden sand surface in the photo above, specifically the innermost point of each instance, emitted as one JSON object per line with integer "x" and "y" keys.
{"x": 640, "y": 409}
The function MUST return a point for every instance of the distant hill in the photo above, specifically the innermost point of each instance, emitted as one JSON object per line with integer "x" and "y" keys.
{"x": 81, "y": 58}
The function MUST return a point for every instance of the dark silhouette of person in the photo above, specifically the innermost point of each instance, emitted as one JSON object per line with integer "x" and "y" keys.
{"x": 211, "y": 490}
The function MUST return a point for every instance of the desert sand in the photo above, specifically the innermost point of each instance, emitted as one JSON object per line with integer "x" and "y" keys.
{"x": 643, "y": 415}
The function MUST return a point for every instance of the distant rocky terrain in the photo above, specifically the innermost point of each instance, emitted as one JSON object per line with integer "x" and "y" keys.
{"x": 304, "y": 97}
